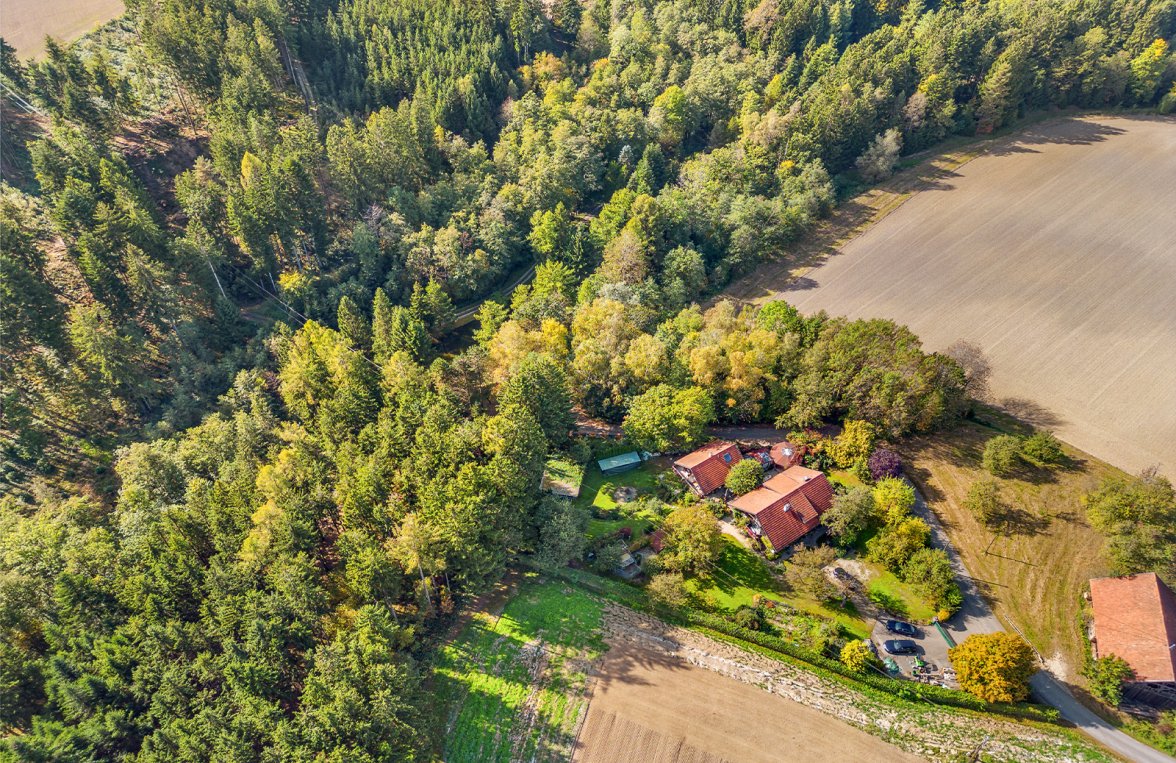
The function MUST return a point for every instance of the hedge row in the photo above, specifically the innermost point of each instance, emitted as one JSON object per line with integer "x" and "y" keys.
{"x": 908, "y": 690}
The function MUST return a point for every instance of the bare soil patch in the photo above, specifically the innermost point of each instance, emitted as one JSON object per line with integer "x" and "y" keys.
{"x": 1052, "y": 251}
{"x": 651, "y": 706}
{"x": 671, "y": 695}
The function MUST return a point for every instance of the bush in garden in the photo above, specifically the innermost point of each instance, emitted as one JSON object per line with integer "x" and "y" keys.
{"x": 994, "y": 667}
{"x": 857, "y": 656}
{"x": 884, "y": 463}
{"x": 745, "y": 476}
{"x": 984, "y": 501}
{"x": 668, "y": 589}
{"x": 1107, "y": 676}
{"x": 1043, "y": 448}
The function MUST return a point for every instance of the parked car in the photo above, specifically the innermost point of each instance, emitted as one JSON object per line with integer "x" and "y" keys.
{"x": 901, "y": 628}
{"x": 900, "y": 646}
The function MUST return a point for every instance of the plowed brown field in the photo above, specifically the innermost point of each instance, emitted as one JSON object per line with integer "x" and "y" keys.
{"x": 25, "y": 23}
{"x": 1055, "y": 252}
{"x": 654, "y": 708}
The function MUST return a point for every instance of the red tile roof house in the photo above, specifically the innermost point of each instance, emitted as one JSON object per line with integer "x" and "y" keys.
{"x": 1135, "y": 619}
{"x": 706, "y": 469}
{"x": 787, "y": 507}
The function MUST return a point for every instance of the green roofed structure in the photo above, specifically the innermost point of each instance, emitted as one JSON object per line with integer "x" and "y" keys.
{"x": 621, "y": 463}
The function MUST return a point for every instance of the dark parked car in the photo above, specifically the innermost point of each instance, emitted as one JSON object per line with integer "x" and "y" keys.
{"x": 900, "y": 646}
{"x": 901, "y": 628}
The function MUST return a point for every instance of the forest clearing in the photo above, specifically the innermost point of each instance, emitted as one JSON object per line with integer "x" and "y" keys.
{"x": 1051, "y": 251}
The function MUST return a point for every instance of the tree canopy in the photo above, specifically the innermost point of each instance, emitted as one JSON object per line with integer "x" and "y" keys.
{"x": 252, "y": 451}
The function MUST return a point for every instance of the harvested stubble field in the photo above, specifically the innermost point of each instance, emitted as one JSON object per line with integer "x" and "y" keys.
{"x": 1052, "y": 250}
{"x": 27, "y": 22}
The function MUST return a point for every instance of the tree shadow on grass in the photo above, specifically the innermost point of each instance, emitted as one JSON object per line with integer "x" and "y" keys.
{"x": 889, "y": 603}
{"x": 989, "y": 591}
{"x": 921, "y": 476}
{"x": 1018, "y": 521}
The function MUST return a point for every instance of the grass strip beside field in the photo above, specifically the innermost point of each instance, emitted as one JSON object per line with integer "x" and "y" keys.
{"x": 514, "y": 687}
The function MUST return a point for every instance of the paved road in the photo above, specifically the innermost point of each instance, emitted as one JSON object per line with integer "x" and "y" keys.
{"x": 1052, "y": 692}
{"x": 975, "y": 616}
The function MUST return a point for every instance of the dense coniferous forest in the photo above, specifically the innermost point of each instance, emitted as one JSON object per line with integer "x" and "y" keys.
{"x": 249, "y": 465}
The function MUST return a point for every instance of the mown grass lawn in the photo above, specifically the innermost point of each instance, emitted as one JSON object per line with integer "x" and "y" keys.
{"x": 1035, "y": 569}
{"x": 513, "y": 688}
{"x": 896, "y": 597}
{"x": 597, "y": 488}
{"x": 600, "y": 528}
{"x": 845, "y": 479}
{"x": 596, "y": 492}
{"x": 738, "y": 575}
{"x": 563, "y": 473}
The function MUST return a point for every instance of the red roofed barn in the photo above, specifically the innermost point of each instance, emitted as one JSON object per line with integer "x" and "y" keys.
{"x": 1135, "y": 619}
{"x": 705, "y": 470}
{"x": 788, "y": 506}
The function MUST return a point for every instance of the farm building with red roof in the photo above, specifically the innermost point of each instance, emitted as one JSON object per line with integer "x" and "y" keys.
{"x": 705, "y": 470}
{"x": 788, "y": 506}
{"x": 1135, "y": 620}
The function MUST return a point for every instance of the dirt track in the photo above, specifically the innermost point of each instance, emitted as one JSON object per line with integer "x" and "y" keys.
{"x": 1055, "y": 251}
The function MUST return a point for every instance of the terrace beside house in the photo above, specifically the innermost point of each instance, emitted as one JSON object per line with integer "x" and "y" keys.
{"x": 1135, "y": 620}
